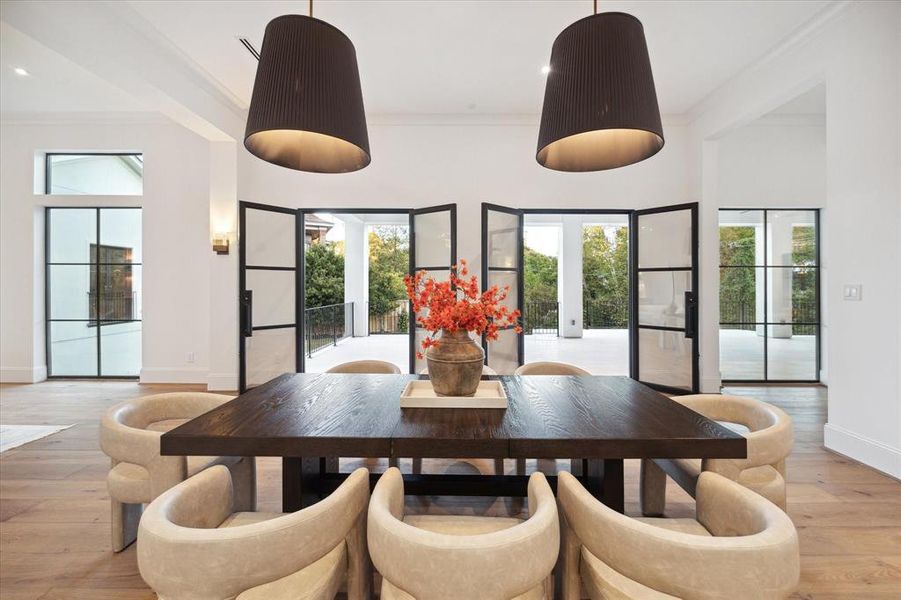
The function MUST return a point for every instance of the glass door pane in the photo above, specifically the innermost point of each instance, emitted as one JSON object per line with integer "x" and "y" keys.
{"x": 665, "y": 277}
{"x": 93, "y": 279}
{"x": 433, "y": 247}
{"x": 502, "y": 262}
{"x": 268, "y": 287}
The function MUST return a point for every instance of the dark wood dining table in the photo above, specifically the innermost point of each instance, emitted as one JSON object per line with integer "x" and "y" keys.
{"x": 308, "y": 419}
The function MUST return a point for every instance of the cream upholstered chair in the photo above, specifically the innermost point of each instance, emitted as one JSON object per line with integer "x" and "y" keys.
{"x": 366, "y": 366}
{"x": 769, "y": 444}
{"x": 432, "y": 557}
{"x": 550, "y": 368}
{"x": 192, "y": 544}
{"x": 130, "y": 435}
{"x": 372, "y": 367}
{"x": 739, "y": 546}
{"x": 498, "y": 462}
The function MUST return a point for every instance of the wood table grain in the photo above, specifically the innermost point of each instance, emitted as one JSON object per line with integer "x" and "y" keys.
{"x": 305, "y": 418}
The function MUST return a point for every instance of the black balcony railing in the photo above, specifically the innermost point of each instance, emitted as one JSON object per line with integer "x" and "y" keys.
{"x": 541, "y": 317}
{"x": 326, "y": 325}
{"x": 605, "y": 314}
{"x": 741, "y": 313}
{"x": 396, "y": 320}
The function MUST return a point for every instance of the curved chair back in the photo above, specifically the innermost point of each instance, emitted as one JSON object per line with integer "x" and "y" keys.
{"x": 770, "y": 437}
{"x": 753, "y": 552}
{"x": 429, "y": 565}
{"x": 181, "y": 554}
{"x": 125, "y": 437}
{"x": 550, "y": 368}
{"x": 365, "y": 366}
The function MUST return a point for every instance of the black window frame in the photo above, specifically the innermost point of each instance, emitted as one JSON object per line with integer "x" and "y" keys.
{"x": 48, "y": 172}
{"x": 97, "y": 323}
{"x": 767, "y": 268}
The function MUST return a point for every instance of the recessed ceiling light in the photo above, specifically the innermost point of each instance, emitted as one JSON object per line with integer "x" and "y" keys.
{"x": 20, "y": 71}
{"x": 545, "y": 69}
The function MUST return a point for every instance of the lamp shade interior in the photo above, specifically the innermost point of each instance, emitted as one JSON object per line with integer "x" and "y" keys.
{"x": 600, "y": 150}
{"x": 307, "y": 151}
{"x": 306, "y": 112}
{"x": 600, "y": 106}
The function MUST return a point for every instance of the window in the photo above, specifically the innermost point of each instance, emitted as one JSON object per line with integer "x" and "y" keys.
{"x": 769, "y": 295}
{"x": 93, "y": 292}
{"x": 95, "y": 174}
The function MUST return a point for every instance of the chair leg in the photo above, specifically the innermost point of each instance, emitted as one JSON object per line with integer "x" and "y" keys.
{"x": 125, "y": 518}
{"x": 394, "y": 462}
{"x": 498, "y": 466}
{"x": 520, "y": 466}
{"x": 417, "y": 466}
{"x": 652, "y": 489}
{"x": 244, "y": 480}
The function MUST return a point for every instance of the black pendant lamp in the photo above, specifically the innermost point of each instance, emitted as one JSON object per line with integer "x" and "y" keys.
{"x": 600, "y": 106}
{"x": 306, "y": 112}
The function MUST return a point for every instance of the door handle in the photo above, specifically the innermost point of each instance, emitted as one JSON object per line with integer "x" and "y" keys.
{"x": 247, "y": 315}
{"x": 691, "y": 315}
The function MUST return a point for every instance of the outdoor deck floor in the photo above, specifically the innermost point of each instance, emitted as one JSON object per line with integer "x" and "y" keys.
{"x": 603, "y": 352}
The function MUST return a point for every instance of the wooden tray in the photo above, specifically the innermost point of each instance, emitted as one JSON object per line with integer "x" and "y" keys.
{"x": 420, "y": 394}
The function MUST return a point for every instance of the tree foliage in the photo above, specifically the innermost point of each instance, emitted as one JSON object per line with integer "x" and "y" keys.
{"x": 605, "y": 277}
{"x": 540, "y": 276}
{"x": 324, "y": 272}
{"x": 389, "y": 261}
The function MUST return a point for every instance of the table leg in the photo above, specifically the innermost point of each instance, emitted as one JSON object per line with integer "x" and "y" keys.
{"x": 301, "y": 481}
{"x": 604, "y": 479}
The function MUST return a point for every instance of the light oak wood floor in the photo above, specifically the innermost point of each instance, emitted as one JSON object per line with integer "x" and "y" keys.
{"x": 54, "y": 509}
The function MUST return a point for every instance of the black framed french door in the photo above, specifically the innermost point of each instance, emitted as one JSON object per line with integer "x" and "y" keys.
{"x": 272, "y": 280}
{"x": 433, "y": 248}
{"x": 270, "y": 267}
{"x": 502, "y": 265}
{"x": 663, "y": 326}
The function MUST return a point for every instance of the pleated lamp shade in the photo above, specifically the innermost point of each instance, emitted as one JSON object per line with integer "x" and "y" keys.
{"x": 600, "y": 106}
{"x": 306, "y": 112}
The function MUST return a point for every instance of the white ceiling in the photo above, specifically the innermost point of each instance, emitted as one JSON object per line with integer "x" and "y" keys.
{"x": 466, "y": 56}
{"x": 54, "y": 83}
{"x": 423, "y": 57}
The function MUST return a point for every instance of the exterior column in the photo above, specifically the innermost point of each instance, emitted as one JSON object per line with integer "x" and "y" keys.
{"x": 759, "y": 278}
{"x": 356, "y": 274}
{"x": 780, "y": 280}
{"x": 570, "y": 277}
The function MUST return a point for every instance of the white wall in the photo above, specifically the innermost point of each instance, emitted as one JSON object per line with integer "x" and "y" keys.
{"x": 176, "y": 217}
{"x": 774, "y": 163}
{"x": 856, "y": 54}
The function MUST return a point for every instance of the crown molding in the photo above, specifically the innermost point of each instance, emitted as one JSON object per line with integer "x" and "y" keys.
{"x": 477, "y": 120}
{"x": 84, "y": 118}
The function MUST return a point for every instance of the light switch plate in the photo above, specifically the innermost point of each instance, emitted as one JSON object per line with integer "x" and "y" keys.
{"x": 852, "y": 292}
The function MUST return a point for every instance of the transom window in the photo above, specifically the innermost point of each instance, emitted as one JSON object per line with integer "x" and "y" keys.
{"x": 94, "y": 174}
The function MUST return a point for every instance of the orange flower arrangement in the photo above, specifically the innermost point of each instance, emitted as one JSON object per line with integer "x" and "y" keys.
{"x": 457, "y": 304}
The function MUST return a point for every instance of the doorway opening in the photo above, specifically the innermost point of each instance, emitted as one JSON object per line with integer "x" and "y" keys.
{"x": 576, "y": 290}
{"x": 356, "y": 306}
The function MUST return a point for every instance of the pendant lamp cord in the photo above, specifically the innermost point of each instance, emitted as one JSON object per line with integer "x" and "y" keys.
{"x": 311, "y": 7}
{"x": 595, "y": 6}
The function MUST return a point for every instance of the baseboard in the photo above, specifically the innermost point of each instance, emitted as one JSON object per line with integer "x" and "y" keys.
{"x": 222, "y": 382}
{"x": 164, "y": 375}
{"x": 881, "y": 457}
{"x": 23, "y": 374}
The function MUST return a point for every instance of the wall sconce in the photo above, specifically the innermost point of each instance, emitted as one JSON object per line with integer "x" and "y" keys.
{"x": 220, "y": 243}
